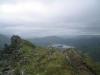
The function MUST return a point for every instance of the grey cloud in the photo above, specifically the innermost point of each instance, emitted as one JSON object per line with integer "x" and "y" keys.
{"x": 57, "y": 17}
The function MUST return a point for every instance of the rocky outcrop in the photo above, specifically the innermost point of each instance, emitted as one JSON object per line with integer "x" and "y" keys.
{"x": 9, "y": 55}
{"x": 15, "y": 45}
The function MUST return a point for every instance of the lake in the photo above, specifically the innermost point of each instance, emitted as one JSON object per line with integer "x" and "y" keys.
{"x": 61, "y": 46}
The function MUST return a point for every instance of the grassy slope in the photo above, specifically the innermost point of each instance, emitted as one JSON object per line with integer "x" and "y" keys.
{"x": 50, "y": 61}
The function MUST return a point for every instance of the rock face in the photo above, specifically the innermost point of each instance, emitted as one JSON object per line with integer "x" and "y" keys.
{"x": 16, "y": 41}
{"x": 15, "y": 38}
{"x": 15, "y": 45}
{"x": 24, "y": 58}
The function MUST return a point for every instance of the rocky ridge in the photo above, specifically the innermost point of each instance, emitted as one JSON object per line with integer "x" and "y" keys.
{"x": 24, "y": 58}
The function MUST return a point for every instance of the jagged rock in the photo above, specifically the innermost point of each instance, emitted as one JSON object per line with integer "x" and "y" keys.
{"x": 15, "y": 39}
{"x": 16, "y": 42}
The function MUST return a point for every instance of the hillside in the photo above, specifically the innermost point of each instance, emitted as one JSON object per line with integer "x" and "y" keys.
{"x": 86, "y": 36}
{"x": 47, "y": 40}
{"x": 89, "y": 44}
{"x": 77, "y": 41}
{"x": 4, "y": 39}
{"x": 24, "y": 58}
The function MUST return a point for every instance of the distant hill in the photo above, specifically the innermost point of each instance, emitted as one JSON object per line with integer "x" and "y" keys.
{"x": 86, "y": 36}
{"x": 74, "y": 41}
{"x": 83, "y": 41}
{"x": 22, "y": 57}
{"x": 4, "y": 39}
{"x": 89, "y": 44}
{"x": 47, "y": 40}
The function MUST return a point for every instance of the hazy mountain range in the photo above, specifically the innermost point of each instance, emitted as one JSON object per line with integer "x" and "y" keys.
{"x": 89, "y": 44}
{"x": 82, "y": 40}
{"x": 74, "y": 41}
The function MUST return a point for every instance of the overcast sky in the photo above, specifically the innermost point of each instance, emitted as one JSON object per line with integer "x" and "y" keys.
{"x": 35, "y": 18}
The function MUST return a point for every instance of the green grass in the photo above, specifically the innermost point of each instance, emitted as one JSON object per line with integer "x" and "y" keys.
{"x": 92, "y": 65}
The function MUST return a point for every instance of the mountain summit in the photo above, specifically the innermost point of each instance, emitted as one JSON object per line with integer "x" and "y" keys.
{"x": 24, "y": 58}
